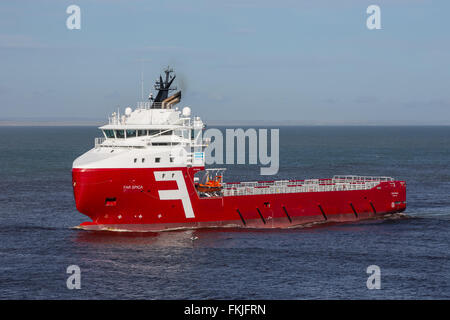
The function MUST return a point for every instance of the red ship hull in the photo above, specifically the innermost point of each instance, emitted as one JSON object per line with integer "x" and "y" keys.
{"x": 130, "y": 199}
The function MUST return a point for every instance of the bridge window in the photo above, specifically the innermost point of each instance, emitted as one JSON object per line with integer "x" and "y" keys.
{"x": 165, "y": 143}
{"x": 160, "y": 143}
{"x": 142, "y": 133}
{"x": 160, "y": 132}
{"x": 120, "y": 134}
{"x": 131, "y": 133}
{"x": 109, "y": 133}
{"x": 157, "y": 160}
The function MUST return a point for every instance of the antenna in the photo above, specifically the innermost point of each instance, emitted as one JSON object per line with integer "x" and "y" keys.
{"x": 142, "y": 80}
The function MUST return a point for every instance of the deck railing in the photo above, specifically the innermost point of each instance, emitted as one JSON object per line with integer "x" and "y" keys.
{"x": 360, "y": 179}
{"x": 337, "y": 183}
{"x": 148, "y": 104}
{"x": 98, "y": 142}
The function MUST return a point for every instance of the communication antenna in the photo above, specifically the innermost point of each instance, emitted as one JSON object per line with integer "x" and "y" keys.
{"x": 142, "y": 80}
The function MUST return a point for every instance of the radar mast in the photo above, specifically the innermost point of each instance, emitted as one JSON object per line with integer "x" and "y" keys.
{"x": 163, "y": 87}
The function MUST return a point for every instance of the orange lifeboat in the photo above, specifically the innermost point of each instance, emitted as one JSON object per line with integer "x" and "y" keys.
{"x": 211, "y": 185}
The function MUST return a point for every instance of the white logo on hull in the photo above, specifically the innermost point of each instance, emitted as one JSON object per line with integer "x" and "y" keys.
{"x": 180, "y": 194}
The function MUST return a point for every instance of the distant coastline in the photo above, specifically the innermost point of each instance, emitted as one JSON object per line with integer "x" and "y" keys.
{"x": 233, "y": 123}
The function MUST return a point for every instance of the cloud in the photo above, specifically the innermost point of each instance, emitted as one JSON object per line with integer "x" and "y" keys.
{"x": 112, "y": 95}
{"x": 432, "y": 103}
{"x": 162, "y": 48}
{"x": 330, "y": 100}
{"x": 216, "y": 96}
{"x": 8, "y": 41}
{"x": 366, "y": 99}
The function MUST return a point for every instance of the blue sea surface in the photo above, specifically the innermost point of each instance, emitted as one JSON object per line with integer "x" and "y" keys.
{"x": 37, "y": 213}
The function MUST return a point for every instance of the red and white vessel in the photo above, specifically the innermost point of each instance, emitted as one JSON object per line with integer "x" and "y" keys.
{"x": 143, "y": 176}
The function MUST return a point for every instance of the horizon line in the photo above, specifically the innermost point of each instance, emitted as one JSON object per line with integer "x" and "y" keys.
{"x": 93, "y": 123}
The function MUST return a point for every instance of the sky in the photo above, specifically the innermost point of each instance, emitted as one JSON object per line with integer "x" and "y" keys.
{"x": 237, "y": 61}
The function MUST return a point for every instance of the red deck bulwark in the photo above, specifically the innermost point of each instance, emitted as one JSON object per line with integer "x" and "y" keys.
{"x": 129, "y": 199}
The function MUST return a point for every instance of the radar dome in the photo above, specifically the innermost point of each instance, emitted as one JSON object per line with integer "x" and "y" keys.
{"x": 128, "y": 111}
{"x": 186, "y": 112}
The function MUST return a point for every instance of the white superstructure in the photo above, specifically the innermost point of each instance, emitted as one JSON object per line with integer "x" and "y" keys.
{"x": 147, "y": 137}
